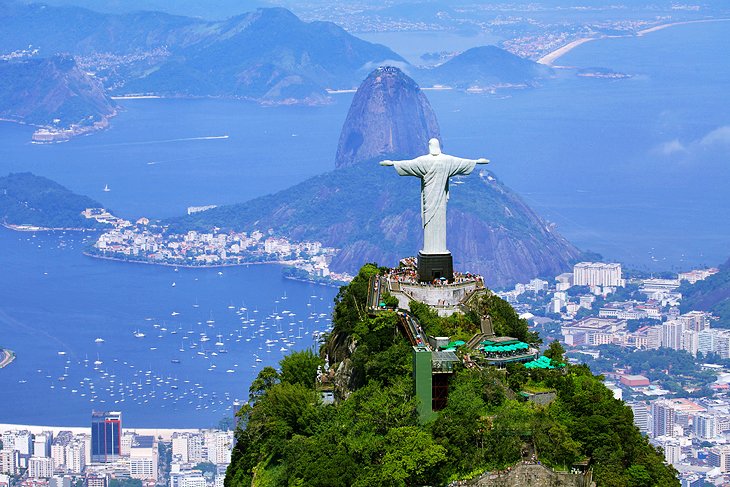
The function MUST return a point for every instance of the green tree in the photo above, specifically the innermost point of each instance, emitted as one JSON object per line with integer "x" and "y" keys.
{"x": 300, "y": 368}
{"x": 265, "y": 380}
{"x": 411, "y": 456}
{"x": 555, "y": 352}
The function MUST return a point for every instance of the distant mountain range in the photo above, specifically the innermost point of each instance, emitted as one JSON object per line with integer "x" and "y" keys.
{"x": 51, "y": 92}
{"x": 27, "y": 199}
{"x": 373, "y": 215}
{"x": 268, "y": 55}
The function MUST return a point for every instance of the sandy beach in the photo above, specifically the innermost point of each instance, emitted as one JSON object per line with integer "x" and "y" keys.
{"x": 165, "y": 433}
{"x": 551, "y": 57}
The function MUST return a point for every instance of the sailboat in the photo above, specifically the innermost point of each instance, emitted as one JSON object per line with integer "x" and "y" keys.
{"x": 106, "y": 188}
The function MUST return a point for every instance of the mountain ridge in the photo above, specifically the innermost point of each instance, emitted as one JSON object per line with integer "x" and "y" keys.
{"x": 268, "y": 55}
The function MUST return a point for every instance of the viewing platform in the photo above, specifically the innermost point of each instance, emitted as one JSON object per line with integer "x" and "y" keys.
{"x": 446, "y": 297}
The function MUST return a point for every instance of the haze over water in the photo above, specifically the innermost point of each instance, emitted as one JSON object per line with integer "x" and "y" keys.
{"x": 635, "y": 169}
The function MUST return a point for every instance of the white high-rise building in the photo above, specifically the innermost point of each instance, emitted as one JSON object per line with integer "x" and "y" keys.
{"x": 42, "y": 444}
{"x": 672, "y": 451}
{"x": 196, "y": 453}
{"x": 721, "y": 343}
{"x": 180, "y": 447}
{"x": 126, "y": 443}
{"x": 219, "y": 445}
{"x": 76, "y": 454}
{"x": 719, "y": 456}
{"x": 40, "y": 467}
{"x": 672, "y": 334}
{"x": 641, "y": 415}
{"x": 188, "y": 479}
{"x": 695, "y": 320}
{"x": 143, "y": 458}
{"x": 59, "y": 482}
{"x": 705, "y": 341}
{"x": 705, "y": 425}
{"x": 690, "y": 341}
{"x": 9, "y": 461}
{"x": 662, "y": 412}
{"x": 58, "y": 448}
{"x": 22, "y": 441}
{"x": 597, "y": 274}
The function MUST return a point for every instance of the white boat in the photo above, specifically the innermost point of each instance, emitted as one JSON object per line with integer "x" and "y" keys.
{"x": 138, "y": 334}
{"x": 99, "y": 340}
{"x": 106, "y": 188}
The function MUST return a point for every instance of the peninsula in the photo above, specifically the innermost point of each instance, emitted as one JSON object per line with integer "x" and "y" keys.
{"x": 34, "y": 203}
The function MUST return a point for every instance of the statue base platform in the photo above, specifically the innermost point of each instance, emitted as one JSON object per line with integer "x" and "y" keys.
{"x": 435, "y": 267}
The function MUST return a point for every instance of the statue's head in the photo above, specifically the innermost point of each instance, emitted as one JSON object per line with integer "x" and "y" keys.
{"x": 434, "y": 148}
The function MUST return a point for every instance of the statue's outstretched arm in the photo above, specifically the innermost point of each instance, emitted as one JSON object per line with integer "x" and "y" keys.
{"x": 388, "y": 162}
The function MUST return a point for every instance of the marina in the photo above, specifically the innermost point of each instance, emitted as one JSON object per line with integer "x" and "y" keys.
{"x": 190, "y": 351}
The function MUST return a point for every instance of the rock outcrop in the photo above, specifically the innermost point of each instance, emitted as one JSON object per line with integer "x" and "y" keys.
{"x": 389, "y": 117}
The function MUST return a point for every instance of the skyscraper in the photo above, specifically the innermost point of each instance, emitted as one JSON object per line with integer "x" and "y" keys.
{"x": 106, "y": 436}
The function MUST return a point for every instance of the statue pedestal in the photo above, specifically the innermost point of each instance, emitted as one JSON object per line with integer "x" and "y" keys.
{"x": 435, "y": 266}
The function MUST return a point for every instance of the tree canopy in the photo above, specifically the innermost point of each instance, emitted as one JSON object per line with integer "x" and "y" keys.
{"x": 372, "y": 436}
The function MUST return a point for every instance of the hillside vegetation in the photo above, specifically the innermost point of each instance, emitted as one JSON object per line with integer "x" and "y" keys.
{"x": 712, "y": 294}
{"x": 27, "y": 199}
{"x": 287, "y": 436}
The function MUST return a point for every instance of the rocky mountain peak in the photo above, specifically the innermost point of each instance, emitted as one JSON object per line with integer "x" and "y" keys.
{"x": 389, "y": 117}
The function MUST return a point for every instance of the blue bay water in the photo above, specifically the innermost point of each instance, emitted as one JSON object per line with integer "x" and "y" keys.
{"x": 55, "y": 300}
{"x": 636, "y": 169}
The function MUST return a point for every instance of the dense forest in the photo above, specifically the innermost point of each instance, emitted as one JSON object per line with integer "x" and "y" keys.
{"x": 287, "y": 436}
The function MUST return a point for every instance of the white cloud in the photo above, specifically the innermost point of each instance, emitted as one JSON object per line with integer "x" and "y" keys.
{"x": 719, "y": 136}
{"x": 672, "y": 147}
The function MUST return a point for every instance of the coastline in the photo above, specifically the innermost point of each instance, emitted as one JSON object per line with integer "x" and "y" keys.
{"x": 6, "y": 357}
{"x": 185, "y": 266}
{"x": 333, "y": 284}
{"x": 549, "y": 58}
{"x": 32, "y": 228}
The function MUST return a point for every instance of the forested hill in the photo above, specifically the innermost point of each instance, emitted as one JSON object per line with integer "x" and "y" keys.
{"x": 712, "y": 294}
{"x": 287, "y": 436}
{"x": 491, "y": 230}
{"x": 27, "y": 199}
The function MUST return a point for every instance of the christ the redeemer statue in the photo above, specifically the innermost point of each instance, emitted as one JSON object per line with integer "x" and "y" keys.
{"x": 434, "y": 169}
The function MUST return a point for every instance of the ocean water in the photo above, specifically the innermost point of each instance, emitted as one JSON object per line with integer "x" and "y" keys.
{"x": 636, "y": 169}
{"x": 161, "y": 156}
